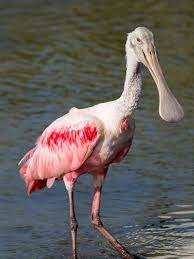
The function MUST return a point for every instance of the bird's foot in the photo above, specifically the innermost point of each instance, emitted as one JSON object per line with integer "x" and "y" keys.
{"x": 125, "y": 254}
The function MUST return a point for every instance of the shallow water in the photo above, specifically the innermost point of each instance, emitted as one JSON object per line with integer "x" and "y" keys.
{"x": 71, "y": 53}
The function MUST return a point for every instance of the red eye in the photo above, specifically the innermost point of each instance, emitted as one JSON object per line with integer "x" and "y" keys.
{"x": 138, "y": 39}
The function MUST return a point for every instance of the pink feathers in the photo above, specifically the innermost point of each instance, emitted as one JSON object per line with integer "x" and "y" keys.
{"x": 36, "y": 185}
{"x": 80, "y": 136}
{"x": 33, "y": 185}
{"x": 61, "y": 149}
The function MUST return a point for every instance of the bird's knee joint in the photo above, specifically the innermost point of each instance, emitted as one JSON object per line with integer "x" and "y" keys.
{"x": 73, "y": 224}
{"x": 74, "y": 255}
{"x": 96, "y": 221}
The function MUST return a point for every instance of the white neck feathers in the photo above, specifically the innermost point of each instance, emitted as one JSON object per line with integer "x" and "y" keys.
{"x": 132, "y": 88}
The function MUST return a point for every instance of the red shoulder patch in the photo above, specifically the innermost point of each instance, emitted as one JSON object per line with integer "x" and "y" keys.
{"x": 84, "y": 135}
{"x": 123, "y": 124}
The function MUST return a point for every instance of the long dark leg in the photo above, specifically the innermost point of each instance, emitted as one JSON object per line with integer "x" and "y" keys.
{"x": 73, "y": 223}
{"x": 69, "y": 183}
{"x": 98, "y": 180}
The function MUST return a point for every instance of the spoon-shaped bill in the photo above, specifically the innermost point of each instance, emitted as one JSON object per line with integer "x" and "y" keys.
{"x": 169, "y": 108}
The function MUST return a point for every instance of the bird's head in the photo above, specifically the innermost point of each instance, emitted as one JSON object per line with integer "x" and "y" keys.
{"x": 141, "y": 43}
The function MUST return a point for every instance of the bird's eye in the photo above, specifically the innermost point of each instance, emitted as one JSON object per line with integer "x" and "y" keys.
{"x": 138, "y": 39}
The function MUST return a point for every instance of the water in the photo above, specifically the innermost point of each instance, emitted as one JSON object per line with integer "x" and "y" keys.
{"x": 59, "y": 54}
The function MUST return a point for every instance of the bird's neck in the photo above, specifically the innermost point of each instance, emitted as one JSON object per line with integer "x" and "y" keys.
{"x": 132, "y": 88}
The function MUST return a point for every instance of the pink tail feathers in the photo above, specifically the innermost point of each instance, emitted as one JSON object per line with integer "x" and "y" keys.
{"x": 32, "y": 185}
{"x": 36, "y": 185}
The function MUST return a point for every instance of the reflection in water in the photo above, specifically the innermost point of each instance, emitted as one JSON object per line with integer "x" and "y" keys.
{"x": 59, "y": 54}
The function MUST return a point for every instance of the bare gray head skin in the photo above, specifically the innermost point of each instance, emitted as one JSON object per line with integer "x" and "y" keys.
{"x": 141, "y": 43}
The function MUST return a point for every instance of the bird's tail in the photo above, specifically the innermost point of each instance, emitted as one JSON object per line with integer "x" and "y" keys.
{"x": 31, "y": 184}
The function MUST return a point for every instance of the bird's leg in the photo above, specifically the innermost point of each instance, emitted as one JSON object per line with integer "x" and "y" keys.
{"x": 69, "y": 183}
{"x": 73, "y": 223}
{"x": 98, "y": 180}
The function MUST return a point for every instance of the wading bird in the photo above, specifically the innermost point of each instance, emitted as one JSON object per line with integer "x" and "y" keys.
{"x": 90, "y": 139}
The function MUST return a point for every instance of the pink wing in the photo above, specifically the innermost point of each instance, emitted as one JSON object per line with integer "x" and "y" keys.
{"x": 63, "y": 147}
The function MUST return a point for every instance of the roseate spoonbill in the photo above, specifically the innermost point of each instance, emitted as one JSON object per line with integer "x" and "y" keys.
{"x": 90, "y": 139}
